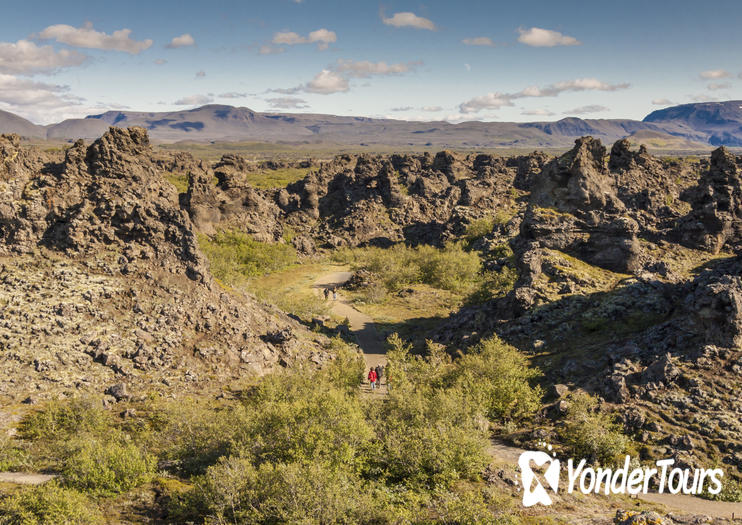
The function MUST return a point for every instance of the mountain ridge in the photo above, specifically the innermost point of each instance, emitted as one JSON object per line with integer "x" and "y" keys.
{"x": 701, "y": 125}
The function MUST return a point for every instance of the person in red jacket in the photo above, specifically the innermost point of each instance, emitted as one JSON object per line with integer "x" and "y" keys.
{"x": 372, "y": 378}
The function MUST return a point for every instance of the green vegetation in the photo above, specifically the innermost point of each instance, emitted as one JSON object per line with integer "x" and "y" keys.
{"x": 731, "y": 491}
{"x": 179, "y": 180}
{"x": 592, "y": 434}
{"x": 278, "y": 178}
{"x": 484, "y": 226}
{"x": 450, "y": 268}
{"x": 107, "y": 468}
{"x": 235, "y": 256}
{"x": 293, "y": 446}
{"x": 47, "y": 504}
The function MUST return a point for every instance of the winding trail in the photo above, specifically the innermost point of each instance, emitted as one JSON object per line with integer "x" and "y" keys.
{"x": 361, "y": 325}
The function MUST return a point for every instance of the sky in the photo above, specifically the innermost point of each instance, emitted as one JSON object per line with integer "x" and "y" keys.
{"x": 436, "y": 60}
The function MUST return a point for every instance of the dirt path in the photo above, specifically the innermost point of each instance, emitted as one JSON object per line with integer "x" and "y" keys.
{"x": 361, "y": 325}
{"x": 25, "y": 478}
{"x": 679, "y": 503}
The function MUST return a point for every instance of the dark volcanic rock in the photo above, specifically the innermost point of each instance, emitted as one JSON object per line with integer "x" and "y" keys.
{"x": 715, "y": 221}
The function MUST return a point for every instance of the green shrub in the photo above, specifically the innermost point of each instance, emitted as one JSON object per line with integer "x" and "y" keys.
{"x": 48, "y": 504}
{"x": 592, "y": 434}
{"x": 235, "y": 491}
{"x": 107, "y": 468}
{"x": 731, "y": 490}
{"x": 428, "y": 438}
{"x": 234, "y": 256}
{"x": 479, "y": 228}
{"x": 59, "y": 420}
{"x": 346, "y": 370}
{"x": 293, "y": 417}
{"x": 13, "y": 456}
{"x": 496, "y": 377}
{"x": 194, "y": 434}
{"x": 449, "y": 268}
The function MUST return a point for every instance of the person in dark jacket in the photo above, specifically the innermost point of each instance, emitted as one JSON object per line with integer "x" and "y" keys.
{"x": 379, "y": 373}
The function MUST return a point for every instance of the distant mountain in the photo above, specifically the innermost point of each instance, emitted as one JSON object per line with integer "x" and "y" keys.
{"x": 720, "y": 121}
{"x": 11, "y": 123}
{"x": 695, "y": 125}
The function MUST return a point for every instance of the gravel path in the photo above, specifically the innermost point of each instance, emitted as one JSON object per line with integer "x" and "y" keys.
{"x": 25, "y": 478}
{"x": 361, "y": 325}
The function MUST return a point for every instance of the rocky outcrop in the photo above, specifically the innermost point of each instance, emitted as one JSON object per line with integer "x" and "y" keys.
{"x": 102, "y": 278}
{"x": 715, "y": 222}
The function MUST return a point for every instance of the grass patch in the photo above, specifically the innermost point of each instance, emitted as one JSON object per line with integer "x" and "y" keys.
{"x": 235, "y": 256}
{"x": 278, "y": 178}
{"x": 179, "y": 180}
{"x": 291, "y": 290}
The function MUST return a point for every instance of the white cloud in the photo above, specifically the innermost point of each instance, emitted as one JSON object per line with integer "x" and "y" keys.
{"x": 37, "y": 101}
{"x": 88, "y": 37}
{"x": 200, "y": 74}
{"x": 488, "y": 101}
{"x": 579, "y": 84}
{"x": 403, "y": 108}
{"x": 322, "y": 37}
{"x": 233, "y": 94}
{"x": 408, "y": 19}
{"x": 336, "y": 78}
{"x": 160, "y": 61}
{"x": 468, "y": 67}
{"x": 715, "y": 86}
{"x": 287, "y": 103}
{"x": 432, "y": 108}
{"x": 479, "y": 41}
{"x": 538, "y": 37}
{"x": 662, "y": 102}
{"x": 193, "y": 100}
{"x": 327, "y": 82}
{"x": 537, "y": 112}
{"x": 26, "y": 58}
{"x": 584, "y": 110}
{"x": 365, "y": 69}
{"x": 714, "y": 74}
{"x": 498, "y": 100}
{"x": 183, "y": 40}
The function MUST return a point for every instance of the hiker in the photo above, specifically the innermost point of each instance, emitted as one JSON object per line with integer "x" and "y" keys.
{"x": 379, "y": 373}
{"x": 326, "y": 291}
{"x": 334, "y": 294}
{"x": 372, "y": 378}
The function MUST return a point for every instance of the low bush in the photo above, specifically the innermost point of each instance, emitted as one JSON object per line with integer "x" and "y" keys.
{"x": 449, "y": 268}
{"x": 235, "y": 256}
{"x": 107, "y": 468}
{"x": 59, "y": 420}
{"x": 13, "y": 456}
{"x": 592, "y": 434}
{"x": 48, "y": 504}
{"x": 496, "y": 378}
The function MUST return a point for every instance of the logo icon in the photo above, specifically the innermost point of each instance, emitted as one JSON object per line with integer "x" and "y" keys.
{"x": 533, "y": 491}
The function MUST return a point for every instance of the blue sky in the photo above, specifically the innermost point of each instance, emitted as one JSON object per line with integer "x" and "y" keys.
{"x": 465, "y": 60}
